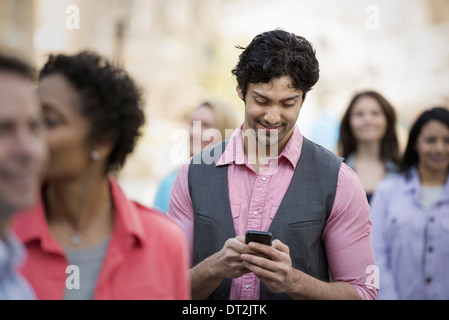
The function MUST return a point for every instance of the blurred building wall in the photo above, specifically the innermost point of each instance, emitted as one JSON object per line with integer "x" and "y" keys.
{"x": 183, "y": 51}
{"x": 17, "y": 27}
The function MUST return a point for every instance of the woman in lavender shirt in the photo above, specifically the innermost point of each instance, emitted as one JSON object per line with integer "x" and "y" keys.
{"x": 410, "y": 214}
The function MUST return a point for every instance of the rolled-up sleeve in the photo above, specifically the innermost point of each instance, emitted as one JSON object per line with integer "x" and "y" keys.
{"x": 347, "y": 237}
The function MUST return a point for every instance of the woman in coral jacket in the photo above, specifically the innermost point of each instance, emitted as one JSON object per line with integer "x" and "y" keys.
{"x": 85, "y": 239}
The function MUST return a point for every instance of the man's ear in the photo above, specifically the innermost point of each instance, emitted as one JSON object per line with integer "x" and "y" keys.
{"x": 240, "y": 92}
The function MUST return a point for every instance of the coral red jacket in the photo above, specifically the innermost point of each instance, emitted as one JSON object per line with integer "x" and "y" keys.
{"x": 146, "y": 257}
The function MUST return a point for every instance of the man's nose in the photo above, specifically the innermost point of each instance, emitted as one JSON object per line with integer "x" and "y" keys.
{"x": 273, "y": 115}
{"x": 28, "y": 146}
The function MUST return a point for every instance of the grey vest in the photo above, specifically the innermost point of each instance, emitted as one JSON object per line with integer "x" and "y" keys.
{"x": 299, "y": 221}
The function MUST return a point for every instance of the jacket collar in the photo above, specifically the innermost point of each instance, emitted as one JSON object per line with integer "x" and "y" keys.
{"x": 413, "y": 183}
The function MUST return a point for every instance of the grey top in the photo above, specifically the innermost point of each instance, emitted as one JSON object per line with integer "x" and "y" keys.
{"x": 82, "y": 277}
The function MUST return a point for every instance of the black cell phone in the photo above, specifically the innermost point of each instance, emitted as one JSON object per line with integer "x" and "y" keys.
{"x": 263, "y": 237}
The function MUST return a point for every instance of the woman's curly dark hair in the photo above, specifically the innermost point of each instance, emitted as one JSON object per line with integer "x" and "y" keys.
{"x": 111, "y": 100}
{"x": 275, "y": 54}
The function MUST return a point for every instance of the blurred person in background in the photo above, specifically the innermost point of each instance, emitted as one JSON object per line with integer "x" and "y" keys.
{"x": 212, "y": 114}
{"x": 85, "y": 239}
{"x": 410, "y": 214}
{"x": 368, "y": 139}
{"x": 23, "y": 154}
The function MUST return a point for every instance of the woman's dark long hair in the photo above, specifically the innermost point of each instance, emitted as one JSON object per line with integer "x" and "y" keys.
{"x": 347, "y": 143}
{"x": 411, "y": 158}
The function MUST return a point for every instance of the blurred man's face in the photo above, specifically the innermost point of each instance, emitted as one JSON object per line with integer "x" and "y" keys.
{"x": 23, "y": 150}
{"x": 205, "y": 119}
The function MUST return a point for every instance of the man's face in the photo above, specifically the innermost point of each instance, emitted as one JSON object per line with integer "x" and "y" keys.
{"x": 23, "y": 150}
{"x": 271, "y": 111}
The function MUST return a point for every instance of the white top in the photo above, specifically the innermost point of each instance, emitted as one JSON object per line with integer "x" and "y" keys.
{"x": 429, "y": 195}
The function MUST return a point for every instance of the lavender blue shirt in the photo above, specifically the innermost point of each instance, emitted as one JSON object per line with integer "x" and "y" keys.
{"x": 12, "y": 285}
{"x": 411, "y": 244}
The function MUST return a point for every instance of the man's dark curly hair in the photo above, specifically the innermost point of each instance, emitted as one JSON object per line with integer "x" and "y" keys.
{"x": 275, "y": 54}
{"x": 111, "y": 100}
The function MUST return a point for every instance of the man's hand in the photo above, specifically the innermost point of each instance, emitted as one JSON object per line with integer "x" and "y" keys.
{"x": 275, "y": 269}
{"x": 279, "y": 276}
{"x": 226, "y": 263}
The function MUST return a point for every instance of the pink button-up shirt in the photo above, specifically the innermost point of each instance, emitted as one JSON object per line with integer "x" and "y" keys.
{"x": 146, "y": 257}
{"x": 255, "y": 198}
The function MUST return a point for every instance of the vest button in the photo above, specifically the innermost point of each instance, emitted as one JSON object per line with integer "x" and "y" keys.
{"x": 223, "y": 295}
{"x": 256, "y": 213}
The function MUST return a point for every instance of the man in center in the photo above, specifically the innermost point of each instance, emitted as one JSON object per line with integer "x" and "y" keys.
{"x": 268, "y": 177}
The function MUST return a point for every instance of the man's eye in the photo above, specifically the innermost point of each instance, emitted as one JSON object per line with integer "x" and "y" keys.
{"x": 260, "y": 102}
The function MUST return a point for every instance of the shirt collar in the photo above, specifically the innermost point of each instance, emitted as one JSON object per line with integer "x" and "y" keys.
{"x": 31, "y": 225}
{"x": 234, "y": 153}
{"x": 414, "y": 184}
{"x": 126, "y": 213}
